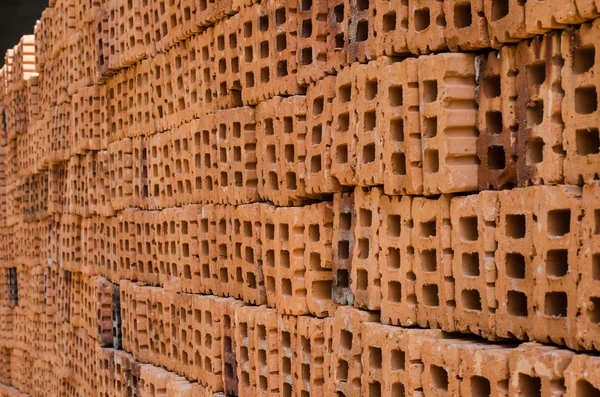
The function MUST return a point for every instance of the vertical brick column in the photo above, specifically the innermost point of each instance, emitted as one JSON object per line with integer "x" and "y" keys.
{"x": 344, "y": 125}
{"x": 447, "y": 89}
{"x": 344, "y": 224}
{"x": 514, "y": 256}
{"x": 319, "y": 113}
{"x": 228, "y": 72}
{"x": 287, "y": 339}
{"x": 312, "y": 30}
{"x": 126, "y": 244}
{"x": 204, "y": 267}
{"x": 496, "y": 120}
{"x": 360, "y": 16}
{"x": 313, "y": 349}
{"x": 201, "y": 57}
{"x": 398, "y": 122}
{"x": 224, "y": 232}
{"x": 581, "y": 138}
{"x": 587, "y": 330}
{"x": 539, "y": 137}
{"x": 229, "y": 346}
{"x": 473, "y": 219}
{"x": 398, "y": 299}
{"x": 537, "y": 369}
{"x": 365, "y": 276}
{"x": 204, "y": 152}
{"x": 432, "y": 263}
{"x": 556, "y": 238}
{"x": 337, "y": 39}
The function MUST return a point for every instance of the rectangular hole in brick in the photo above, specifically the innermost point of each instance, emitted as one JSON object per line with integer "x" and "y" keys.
{"x": 315, "y": 164}
{"x": 555, "y": 304}
{"x": 394, "y": 291}
{"x": 468, "y": 228}
{"x": 305, "y": 369}
{"x": 399, "y": 164}
{"x": 369, "y": 153}
{"x": 389, "y": 22}
{"x": 341, "y": 154}
{"x": 270, "y": 154}
{"x": 280, "y": 16}
{"x": 439, "y": 377}
{"x": 362, "y": 31}
{"x": 290, "y": 180}
{"x": 322, "y": 289}
{"x": 370, "y": 120}
{"x": 344, "y": 249}
{"x": 583, "y": 59}
{"x": 397, "y": 129}
{"x": 306, "y": 28}
{"x": 363, "y": 248}
{"x": 263, "y": 383}
{"x": 470, "y": 264}
{"x": 339, "y": 41}
{"x": 398, "y": 389}
{"x": 536, "y": 73}
{"x": 471, "y": 299}
{"x": 365, "y": 217}
{"x": 429, "y": 260}
{"x": 432, "y": 161}
{"x": 428, "y": 229}
{"x": 584, "y": 388}
{"x": 281, "y": 42}
{"x": 515, "y": 226}
{"x": 530, "y": 386}
{"x": 517, "y": 304}
{"x": 284, "y": 232}
{"x": 586, "y": 100}
{"x": 342, "y": 278}
{"x": 596, "y": 267}
{"x": 480, "y": 386}
{"x": 288, "y": 125}
{"x": 393, "y": 225}
{"x": 493, "y": 122}
{"x": 375, "y": 358}
{"x": 422, "y": 20}
{"x": 515, "y": 265}
{"x": 371, "y": 90}
{"x": 462, "y": 15}
{"x": 362, "y": 281}
{"x": 282, "y": 68}
{"x": 346, "y": 339}
{"x": 305, "y": 5}
{"x": 264, "y": 75}
{"x": 287, "y": 388}
{"x": 318, "y": 106}
{"x": 398, "y": 361}
{"x": 534, "y": 113}
{"x": 263, "y": 23}
{"x": 496, "y": 158}
{"x": 286, "y": 287}
{"x": 338, "y": 13}
{"x": 250, "y": 79}
{"x": 289, "y": 153}
{"x": 317, "y": 135}
{"x": 342, "y": 370}
{"x": 557, "y": 263}
{"x": 491, "y": 87}
{"x": 430, "y": 90}
{"x": 343, "y": 122}
{"x": 430, "y": 295}
{"x": 284, "y": 259}
{"x": 264, "y": 49}
{"x": 587, "y": 141}
{"x": 374, "y": 389}
{"x": 306, "y": 56}
{"x": 559, "y": 222}
{"x": 270, "y": 285}
{"x": 345, "y": 93}
{"x": 499, "y": 9}
{"x": 594, "y": 312}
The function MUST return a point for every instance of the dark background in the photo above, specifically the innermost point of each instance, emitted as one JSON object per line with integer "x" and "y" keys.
{"x": 17, "y": 18}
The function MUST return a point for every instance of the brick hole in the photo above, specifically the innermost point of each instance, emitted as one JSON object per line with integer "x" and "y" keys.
{"x": 371, "y": 90}
{"x": 341, "y": 154}
{"x": 286, "y": 340}
{"x": 536, "y": 73}
{"x": 584, "y": 388}
{"x": 583, "y": 59}
{"x": 430, "y": 124}
{"x": 362, "y": 5}
{"x": 432, "y": 161}
{"x": 559, "y": 222}
{"x": 338, "y": 13}
{"x": 515, "y": 266}
{"x": 430, "y": 295}
{"x": 339, "y": 41}
{"x": 596, "y": 266}
{"x": 305, "y": 370}
{"x": 264, "y": 49}
{"x": 515, "y": 226}
{"x": 248, "y": 57}
{"x": 587, "y": 141}
{"x": 375, "y": 358}
{"x": 270, "y": 285}
{"x": 280, "y": 16}
{"x": 342, "y": 278}
{"x": 439, "y": 377}
{"x": 306, "y": 56}
{"x": 430, "y": 90}
{"x": 594, "y": 310}
{"x": 480, "y": 386}
{"x": 363, "y": 248}
{"x": 534, "y": 113}
{"x": 468, "y": 228}
{"x": 273, "y": 180}
{"x": 362, "y": 279}
{"x": 343, "y": 122}
{"x": 530, "y": 386}
{"x": 362, "y": 31}
{"x": 399, "y": 164}
{"x": 422, "y": 19}
{"x": 555, "y": 304}
{"x": 586, "y": 100}
{"x": 389, "y": 22}
{"x": 462, "y": 15}
{"x": 375, "y": 389}
{"x": 557, "y": 263}
{"x": 305, "y": 5}
{"x": 428, "y": 229}
{"x": 369, "y": 153}
{"x": 221, "y": 43}
{"x": 269, "y": 130}
{"x": 263, "y": 23}
{"x": 322, "y": 289}
{"x": 286, "y": 287}
{"x": 496, "y": 158}
{"x": 342, "y": 370}
{"x": 306, "y": 28}
{"x": 264, "y": 75}
{"x": 470, "y": 264}
{"x": 287, "y": 389}
{"x": 318, "y": 106}
{"x": 370, "y": 121}
{"x": 289, "y": 153}
{"x": 290, "y": 181}
{"x": 429, "y": 260}
{"x": 471, "y": 299}
{"x": 345, "y": 93}
{"x": 263, "y": 383}
{"x": 317, "y": 135}
{"x": 281, "y": 42}
{"x": 398, "y": 389}
{"x": 517, "y": 304}
{"x": 270, "y": 231}
{"x": 346, "y": 339}
{"x": 491, "y": 88}
{"x": 282, "y": 68}
{"x": 315, "y": 164}
{"x": 394, "y": 291}
{"x": 344, "y": 249}
{"x": 284, "y": 259}
{"x": 250, "y": 79}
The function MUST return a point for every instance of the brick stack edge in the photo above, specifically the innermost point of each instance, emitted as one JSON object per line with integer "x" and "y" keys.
{"x": 296, "y": 198}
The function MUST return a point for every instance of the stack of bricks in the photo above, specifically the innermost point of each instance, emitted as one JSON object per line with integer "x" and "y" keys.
{"x": 240, "y": 198}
